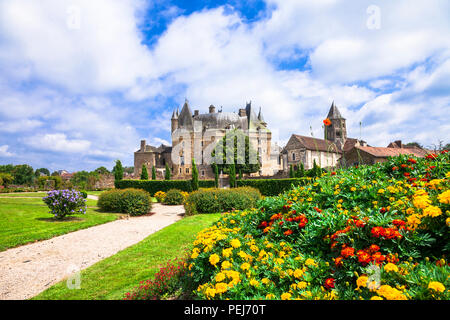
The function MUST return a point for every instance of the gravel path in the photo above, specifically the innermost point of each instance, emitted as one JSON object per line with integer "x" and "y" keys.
{"x": 30, "y": 269}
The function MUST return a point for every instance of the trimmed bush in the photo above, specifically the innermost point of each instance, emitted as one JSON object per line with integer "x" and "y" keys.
{"x": 272, "y": 187}
{"x": 160, "y": 195}
{"x": 221, "y": 200}
{"x": 135, "y": 202}
{"x": 153, "y": 186}
{"x": 173, "y": 197}
{"x": 65, "y": 202}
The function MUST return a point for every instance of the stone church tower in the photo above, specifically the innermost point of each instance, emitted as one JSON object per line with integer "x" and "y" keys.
{"x": 337, "y": 131}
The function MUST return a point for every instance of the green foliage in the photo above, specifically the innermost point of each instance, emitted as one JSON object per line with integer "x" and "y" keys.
{"x": 291, "y": 172}
{"x": 84, "y": 180}
{"x": 241, "y": 160}
{"x": 153, "y": 186}
{"x": 300, "y": 173}
{"x": 167, "y": 172}
{"x": 173, "y": 197}
{"x": 23, "y": 174}
{"x": 232, "y": 175}
{"x": 102, "y": 170}
{"x": 44, "y": 171}
{"x": 220, "y": 200}
{"x": 135, "y": 202}
{"x": 153, "y": 173}
{"x": 272, "y": 187}
{"x": 194, "y": 180}
{"x": 6, "y": 168}
{"x": 144, "y": 173}
{"x": 7, "y": 179}
{"x": 57, "y": 181}
{"x": 118, "y": 171}
{"x": 216, "y": 175}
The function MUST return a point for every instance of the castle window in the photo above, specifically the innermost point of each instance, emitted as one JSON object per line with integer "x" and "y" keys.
{"x": 293, "y": 156}
{"x": 203, "y": 172}
{"x": 187, "y": 170}
{"x": 180, "y": 170}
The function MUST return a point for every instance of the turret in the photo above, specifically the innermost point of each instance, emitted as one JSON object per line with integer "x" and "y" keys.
{"x": 174, "y": 121}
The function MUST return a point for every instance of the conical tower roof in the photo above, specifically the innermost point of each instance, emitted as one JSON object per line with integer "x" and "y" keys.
{"x": 334, "y": 112}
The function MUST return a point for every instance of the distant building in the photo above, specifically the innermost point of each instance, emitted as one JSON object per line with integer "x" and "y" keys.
{"x": 325, "y": 152}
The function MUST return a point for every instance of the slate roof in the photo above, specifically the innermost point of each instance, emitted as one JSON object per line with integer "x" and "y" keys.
{"x": 311, "y": 143}
{"x": 381, "y": 152}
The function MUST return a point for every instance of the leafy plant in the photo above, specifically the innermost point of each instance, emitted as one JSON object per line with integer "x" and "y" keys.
{"x": 65, "y": 202}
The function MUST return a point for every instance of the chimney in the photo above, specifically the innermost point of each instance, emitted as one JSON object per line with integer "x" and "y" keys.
{"x": 212, "y": 109}
{"x": 143, "y": 142}
{"x": 195, "y": 113}
{"x": 242, "y": 113}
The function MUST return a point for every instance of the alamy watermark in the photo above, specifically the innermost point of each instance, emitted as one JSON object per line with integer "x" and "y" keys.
{"x": 374, "y": 20}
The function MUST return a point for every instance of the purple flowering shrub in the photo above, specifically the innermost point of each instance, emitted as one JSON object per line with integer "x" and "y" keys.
{"x": 65, "y": 202}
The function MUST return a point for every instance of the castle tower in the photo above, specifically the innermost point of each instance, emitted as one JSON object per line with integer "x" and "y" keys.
{"x": 174, "y": 121}
{"x": 337, "y": 131}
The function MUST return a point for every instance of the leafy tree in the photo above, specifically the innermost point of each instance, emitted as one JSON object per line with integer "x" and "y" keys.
{"x": 84, "y": 180}
{"x": 102, "y": 170}
{"x": 55, "y": 174}
{"x": 128, "y": 170}
{"x": 7, "y": 168}
{"x": 23, "y": 174}
{"x": 216, "y": 175}
{"x": 44, "y": 171}
{"x": 118, "y": 171}
{"x": 168, "y": 173}
{"x": 291, "y": 172}
{"x": 241, "y": 160}
{"x": 153, "y": 173}
{"x": 232, "y": 175}
{"x": 194, "y": 181}
{"x": 6, "y": 178}
{"x": 144, "y": 173}
{"x": 300, "y": 171}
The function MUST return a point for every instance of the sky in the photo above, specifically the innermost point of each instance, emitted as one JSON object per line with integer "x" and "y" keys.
{"x": 82, "y": 82}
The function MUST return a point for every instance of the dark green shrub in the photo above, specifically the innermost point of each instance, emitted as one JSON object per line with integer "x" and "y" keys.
{"x": 221, "y": 200}
{"x": 135, "y": 202}
{"x": 84, "y": 194}
{"x": 153, "y": 186}
{"x": 173, "y": 197}
{"x": 272, "y": 187}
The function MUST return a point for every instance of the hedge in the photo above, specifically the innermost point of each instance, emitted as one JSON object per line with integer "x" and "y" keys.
{"x": 272, "y": 187}
{"x": 153, "y": 186}
{"x": 132, "y": 201}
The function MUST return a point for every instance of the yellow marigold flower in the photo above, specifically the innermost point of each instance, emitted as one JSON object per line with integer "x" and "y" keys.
{"x": 362, "y": 281}
{"x": 219, "y": 277}
{"x": 254, "y": 248}
{"x": 245, "y": 266}
{"x": 380, "y": 191}
{"x": 352, "y": 189}
{"x": 286, "y": 296}
{"x": 254, "y": 282}
{"x": 221, "y": 287}
{"x": 376, "y": 298}
{"x": 226, "y": 264}
{"x": 390, "y": 293}
{"x": 340, "y": 200}
{"x": 298, "y": 273}
{"x": 432, "y": 211}
{"x": 421, "y": 202}
{"x": 235, "y": 243}
{"x": 210, "y": 292}
{"x": 444, "y": 197}
{"x": 310, "y": 262}
{"x": 436, "y": 286}
{"x": 447, "y": 222}
{"x": 265, "y": 281}
{"x": 214, "y": 259}
{"x": 270, "y": 296}
{"x": 302, "y": 285}
{"x": 390, "y": 267}
{"x": 227, "y": 252}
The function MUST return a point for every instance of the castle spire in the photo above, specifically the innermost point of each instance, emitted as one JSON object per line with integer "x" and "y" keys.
{"x": 334, "y": 112}
{"x": 260, "y": 116}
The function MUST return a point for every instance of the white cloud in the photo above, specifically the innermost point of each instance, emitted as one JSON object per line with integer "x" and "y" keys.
{"x": 57, "y": 142}
{"x": 4, "y": 151}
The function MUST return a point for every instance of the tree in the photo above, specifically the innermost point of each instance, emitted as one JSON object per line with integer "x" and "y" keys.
{"x": 102, "y": 170}
{"x": 216, "y": 175}
{"x": 6, "y": 178}
{"x": 7, "y": 168}
{"x": 300, "y": 171}
{"x": 194, "y": 181}
{"x": 44, "y": 171}
{"x": 242, "y": 159}
{"x": 167, "y": 175}
{"x": 232, "y": 175}
{"x": 291, "y": 171}
{"x": 118, "y": 171}
{"x": 84, "y": 180}
{"x": 240, "y": 174}
{"x": 128, "y": 170}
{"x": 23, "y": 174}
{"x": 144, "y": 173}
{"x": 153, "y": 173}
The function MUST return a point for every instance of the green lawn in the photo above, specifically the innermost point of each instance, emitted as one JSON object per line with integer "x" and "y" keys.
{"x": 24, "y": 220}
{"x": 110, "y": 278}
{"x": 24, "y": 194}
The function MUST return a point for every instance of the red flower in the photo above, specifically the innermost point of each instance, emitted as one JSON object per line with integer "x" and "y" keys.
{"x": 333, "y": 173}
{"x": 377, "y": 232}
{"x": 394, "y": 168}
{"x": 317, "y": 209}
{"x": 406, "y": 174}
{"x": 338, "y": 261}
{"x": 383, "y": 210}
{"x": 262, "y": 225}
{"x": 348, "y": 252}
{"x": 327, "y": 122}
{"x": 398, "y": 222}
{"x": 378, "y": 257}
{"x": 374, "y": 248}
{"x": 359, "y": 223}
{"x": 288, "y": 232}
{"x": 329, "y": 283}
{"x": 363, "y": 257}
{"x": 431, "y": 156}
{"x": 412, "y": 161}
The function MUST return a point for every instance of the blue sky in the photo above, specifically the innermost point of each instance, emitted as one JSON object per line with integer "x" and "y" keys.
{"x": 82, "y": 82}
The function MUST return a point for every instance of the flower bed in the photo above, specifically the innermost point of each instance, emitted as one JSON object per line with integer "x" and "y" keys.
{"x": 369, "y": 232}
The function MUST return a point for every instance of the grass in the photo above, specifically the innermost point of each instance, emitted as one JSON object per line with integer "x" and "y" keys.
{"x": 112, "y": 277}
{"x": 25, "y": 220}
{"x": 23, "y": 194}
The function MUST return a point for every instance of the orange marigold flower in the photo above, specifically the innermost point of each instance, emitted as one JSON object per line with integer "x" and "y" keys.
{"x": 329, "y": 283}
{"x": 363, "y": 257}
{"x": 288, "y": 232}
{"x": 348, "y": 252}
{"x": 327, "y": 122}
{"x": 374, "y": 248}
{"x": 377, "y": 232}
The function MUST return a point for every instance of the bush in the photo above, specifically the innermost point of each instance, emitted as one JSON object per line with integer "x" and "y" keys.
{"x": 173, "y": 197}
{"x": 84, "y": 194}
{"x": 42, "y": 182}
{"x": 153, "y": 186}
{"x": 272, "y": 187}
{"x": 7, "y": 179}
{"x": 135, "y": 202}
{"x": 65, "y": 202}
{"x": 160, "y": 195}
{"x": 221, "y": 200}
